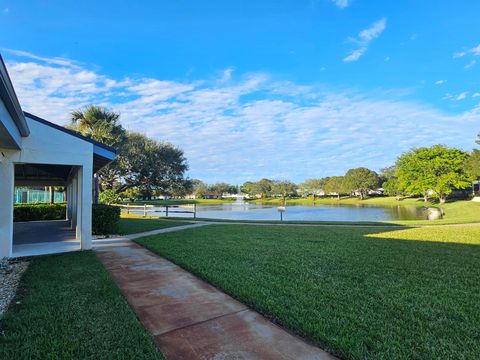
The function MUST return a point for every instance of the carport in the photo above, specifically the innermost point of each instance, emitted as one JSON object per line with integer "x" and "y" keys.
{"x": 36, "y": 152}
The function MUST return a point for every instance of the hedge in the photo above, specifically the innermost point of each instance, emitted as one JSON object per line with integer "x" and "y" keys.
{"x": 34, "y": 212}
{"x": 105, "y": 219}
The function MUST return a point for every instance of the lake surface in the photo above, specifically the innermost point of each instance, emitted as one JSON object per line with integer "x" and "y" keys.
{"x": 247, "y": 211}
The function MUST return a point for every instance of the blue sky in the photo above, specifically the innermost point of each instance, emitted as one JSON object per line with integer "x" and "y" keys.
{"x": 251, "y": 89}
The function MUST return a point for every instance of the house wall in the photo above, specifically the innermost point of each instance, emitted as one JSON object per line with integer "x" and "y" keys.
{"x": 47, "y": 145}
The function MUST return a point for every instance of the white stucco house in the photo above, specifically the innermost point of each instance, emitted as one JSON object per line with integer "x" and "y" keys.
{"x": 36, "y": 152}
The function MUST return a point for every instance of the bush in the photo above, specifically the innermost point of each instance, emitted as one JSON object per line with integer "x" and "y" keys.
{"x": 108, "y": 197}
{"x": 35, "y": 212}
{"x": 105, "y": 219}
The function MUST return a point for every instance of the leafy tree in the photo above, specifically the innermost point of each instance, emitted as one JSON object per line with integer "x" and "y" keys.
{"x": 104, "y": 126}
{"x": 335, "y": 185}
{"x": 361, "y": 180}
{"x": 472, "y": 165}
{"x": 150, "y": 165}
{"x": 389, "y": 181}
{"x": 109, "y": 196}
{"x": 284, "y": 188}
{"x": 199, "y": 188}
{"x": 262, "y": 187}
{"x": 218, "y": 189}
{"x": 437, "y": 168}
{"x": 313, "y": 186}
{"x": 179, "y": 188}
{"x": 248, "y": 188}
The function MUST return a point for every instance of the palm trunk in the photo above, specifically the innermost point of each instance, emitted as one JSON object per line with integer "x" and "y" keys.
{"x": 96, "y": 186}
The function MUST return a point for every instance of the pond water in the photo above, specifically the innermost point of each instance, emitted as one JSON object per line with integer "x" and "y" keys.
{"x": 248, "y": 211}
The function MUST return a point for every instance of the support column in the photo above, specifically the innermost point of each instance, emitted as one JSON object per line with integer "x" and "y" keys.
{"x": 78, "y": 205}
{"x": 73, "y": 199}
{"x": 84, "y": 206}
{"x": 7, "y": 187}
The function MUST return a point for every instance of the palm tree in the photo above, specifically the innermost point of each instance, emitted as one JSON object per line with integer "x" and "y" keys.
{"x": 101, "y": 125}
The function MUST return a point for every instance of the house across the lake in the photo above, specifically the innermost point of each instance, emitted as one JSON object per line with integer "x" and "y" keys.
{"x": 37, "y": 153}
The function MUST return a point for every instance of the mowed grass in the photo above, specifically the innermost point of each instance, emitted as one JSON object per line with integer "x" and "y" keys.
{"x": 71, "y": 309}
{"x": 131, "y": 224}
{"x": 361, "y": 293}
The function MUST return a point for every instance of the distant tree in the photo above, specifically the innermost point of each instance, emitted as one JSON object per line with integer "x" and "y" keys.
{"x": 109, "y": 196}
{"x": 437, "y": 168}
{"x": 218, "y": 189}
{"x": 313, "y": 186}
{"x": 199, "y": 188}
{"x": 284, "y": 188}
{"x": 361, "y": 180}
{"x": 130, "y": 194}
{"x": 472, "y": 165}
{"x": 264, "y": 187}
{"x": 180, "y": 188}
{"x": 249, "y": 188}
{"x": 335, "y": 185}
{"x": 104, "y": 126}
{"x": 389, "y": 181}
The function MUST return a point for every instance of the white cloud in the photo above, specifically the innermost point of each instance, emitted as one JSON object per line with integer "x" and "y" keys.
{"x": 365, "y": 37}
{"x": 342, "y": 4}
{"x": 458, "y": 97}
{"x": 252, "y": 126}
{"x": 54, "y": 61}
{"x": 470, "y": 64}
{"x": 477, "y": 94}
{"x": 475, "y": 51}
{"x": 440, "y": 82}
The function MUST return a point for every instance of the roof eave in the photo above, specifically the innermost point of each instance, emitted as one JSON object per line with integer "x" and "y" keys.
{"x": 9, "y": 98}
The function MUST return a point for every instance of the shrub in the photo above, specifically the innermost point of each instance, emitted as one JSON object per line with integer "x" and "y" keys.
{"x": 35, "y": 212}
{"x": 105, "y": 219}
{"x": 108, "y": 197}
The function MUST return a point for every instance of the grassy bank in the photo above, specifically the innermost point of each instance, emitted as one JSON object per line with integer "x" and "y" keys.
{"x": 71, "y": 309}
{"x": 358, "y": 292}
{"x": 132, "y": 224}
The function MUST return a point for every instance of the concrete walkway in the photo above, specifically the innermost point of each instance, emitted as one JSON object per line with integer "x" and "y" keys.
{"x": 190, "y": 319}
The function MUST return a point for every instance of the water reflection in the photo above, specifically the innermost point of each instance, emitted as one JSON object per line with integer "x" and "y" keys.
{"x": 241, "y": 210}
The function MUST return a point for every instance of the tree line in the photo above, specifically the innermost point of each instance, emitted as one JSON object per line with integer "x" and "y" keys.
{"x": 430, "y": 172}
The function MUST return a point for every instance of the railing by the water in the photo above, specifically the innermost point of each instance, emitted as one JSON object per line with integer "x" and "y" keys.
{"x": 167, "y": 209}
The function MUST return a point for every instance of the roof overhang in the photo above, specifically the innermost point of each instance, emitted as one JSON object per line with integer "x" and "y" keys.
{"x": 10, "y": 133}
{"x": 102, "y": 154}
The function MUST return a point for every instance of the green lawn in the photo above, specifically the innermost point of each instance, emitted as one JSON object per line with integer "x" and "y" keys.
{"x": 135, "y": 224}
{"x": 359, "y": 292}
{"x": 71, "y": 309}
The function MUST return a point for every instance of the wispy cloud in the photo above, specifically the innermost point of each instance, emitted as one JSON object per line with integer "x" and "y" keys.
{"x": 250, "y": 126}
{"x": 457, "y": 97}
{"x": 475, "y": 51}
{"x": 364, "y": 38}
{"x": 6, "y": 10}
{"x": 342, "y": 4}
{"x": 440, "y": 82}
{"x": 53, "y": 60}
{"x": 470, "y": 64}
